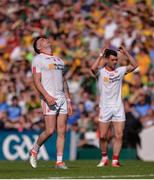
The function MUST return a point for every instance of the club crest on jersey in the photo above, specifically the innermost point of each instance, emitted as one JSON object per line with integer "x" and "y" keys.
{"x": 51, "y": 66}
{"x": 106, "y": 79}
{"x": 55, "y": 66}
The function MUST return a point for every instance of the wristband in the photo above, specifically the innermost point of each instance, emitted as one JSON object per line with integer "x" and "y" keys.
{"x": 68, "y": 100}
{"x": 101, "y": 54}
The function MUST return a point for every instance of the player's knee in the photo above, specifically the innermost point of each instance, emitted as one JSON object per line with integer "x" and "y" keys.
{"x": 61, "y": 135}
{"x": 61, "y": 132}
{"x": 103, "y": 137}
{"x": 49, "y": 132}
{"x": 118, "y": 135}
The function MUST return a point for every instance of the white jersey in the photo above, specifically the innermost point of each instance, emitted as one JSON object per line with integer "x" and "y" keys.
{"x": 110, "y": 84}
{"x": 51, "y": 69}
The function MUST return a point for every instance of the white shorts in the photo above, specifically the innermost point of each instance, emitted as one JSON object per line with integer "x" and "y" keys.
{"x": 60, "y": 107}
{"x": 108, "y": 114}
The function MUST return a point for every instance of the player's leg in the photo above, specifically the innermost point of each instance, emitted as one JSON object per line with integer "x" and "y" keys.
{"x": 61, "y": 130}
{"x": 50, "y": 124}
{"x": 118, "y": 130}
{"x": 105, "y": 116}
{"x": 103, "y": 130}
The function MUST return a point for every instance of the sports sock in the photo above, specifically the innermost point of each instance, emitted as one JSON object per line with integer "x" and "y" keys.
{"x": 36, "y": 148}
{"x": 115, "y": 158}
{"x": 59, "y": 157}
{"x": 104, "y": 156}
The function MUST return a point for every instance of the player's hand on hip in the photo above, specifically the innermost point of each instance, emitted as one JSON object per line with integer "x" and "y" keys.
{"x": 69, "y": 108}
{"x": 51, "y": 100}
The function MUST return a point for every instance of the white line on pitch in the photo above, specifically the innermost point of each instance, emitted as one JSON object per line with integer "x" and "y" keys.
{"x": 107, "y": 176}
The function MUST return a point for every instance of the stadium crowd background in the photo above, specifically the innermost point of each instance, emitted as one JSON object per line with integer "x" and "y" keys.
{"x": 77, "y": 31}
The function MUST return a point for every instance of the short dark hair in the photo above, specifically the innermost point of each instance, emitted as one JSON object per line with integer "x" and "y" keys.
{"x": 14, "y": 98}
{"x": 35, "y": 44}
{"x": 109, "y": 52}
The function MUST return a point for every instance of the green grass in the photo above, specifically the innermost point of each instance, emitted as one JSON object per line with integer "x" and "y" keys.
{"x": 77, "y": 169}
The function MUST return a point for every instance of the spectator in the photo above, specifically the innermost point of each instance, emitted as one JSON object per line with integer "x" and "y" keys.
{"x": 142, "y": 106}
{"x": 132, "y": 127}
{"x": 15, "y": 118}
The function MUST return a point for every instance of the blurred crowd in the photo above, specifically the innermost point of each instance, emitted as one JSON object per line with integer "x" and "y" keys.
{"x": 77, "y": 30}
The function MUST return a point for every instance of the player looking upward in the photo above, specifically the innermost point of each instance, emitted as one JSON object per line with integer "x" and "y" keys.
{"x": 55, "y": 99}
{"x": 111, "y": 106}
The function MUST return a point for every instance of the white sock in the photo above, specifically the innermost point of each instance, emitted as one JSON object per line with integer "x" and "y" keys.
{"x": 59, "y": 158}
{"x": 114, "y": 160}
{"x": 36, "y": 148}
{"x": 104, "y": 158}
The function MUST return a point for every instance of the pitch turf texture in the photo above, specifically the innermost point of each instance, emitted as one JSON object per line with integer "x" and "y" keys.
{"x": 77, "y": 169}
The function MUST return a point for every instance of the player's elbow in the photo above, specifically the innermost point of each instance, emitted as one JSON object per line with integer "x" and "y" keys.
{"x": 93, "y": 71}
{"x": 136, "y": 65}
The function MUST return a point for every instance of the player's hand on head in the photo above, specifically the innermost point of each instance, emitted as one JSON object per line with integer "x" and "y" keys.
{"x": 102, "y": 51}
{"x": 122, "y": 50}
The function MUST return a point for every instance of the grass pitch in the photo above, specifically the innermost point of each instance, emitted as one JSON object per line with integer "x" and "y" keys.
{"x": 77, "y": 169}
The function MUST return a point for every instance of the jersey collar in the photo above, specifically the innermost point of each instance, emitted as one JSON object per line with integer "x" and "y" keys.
{"x": 109, "y": 70}
{"x": 47, "y": 54}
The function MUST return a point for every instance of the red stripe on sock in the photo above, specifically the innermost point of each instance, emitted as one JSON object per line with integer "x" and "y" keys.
{"x": 34, "y": 70}
{"x": 104, "y": 153}
{"x": 115, "y": 157}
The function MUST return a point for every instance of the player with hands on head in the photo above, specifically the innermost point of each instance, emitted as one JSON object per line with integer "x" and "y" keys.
{"x": 110, "y": 77}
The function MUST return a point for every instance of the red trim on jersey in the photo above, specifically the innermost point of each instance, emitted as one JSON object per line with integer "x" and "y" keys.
{"x": 107, "y": 69}
{"x": 34, "y": 70}
{"x": 50, "y": 54}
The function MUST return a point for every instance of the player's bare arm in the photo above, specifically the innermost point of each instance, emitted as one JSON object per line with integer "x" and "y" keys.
{"x": 133, "y": 64}
{"x": 100, "y": 62}
{"x": 41, "y": 90}
{"x": 67, "y": 94}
